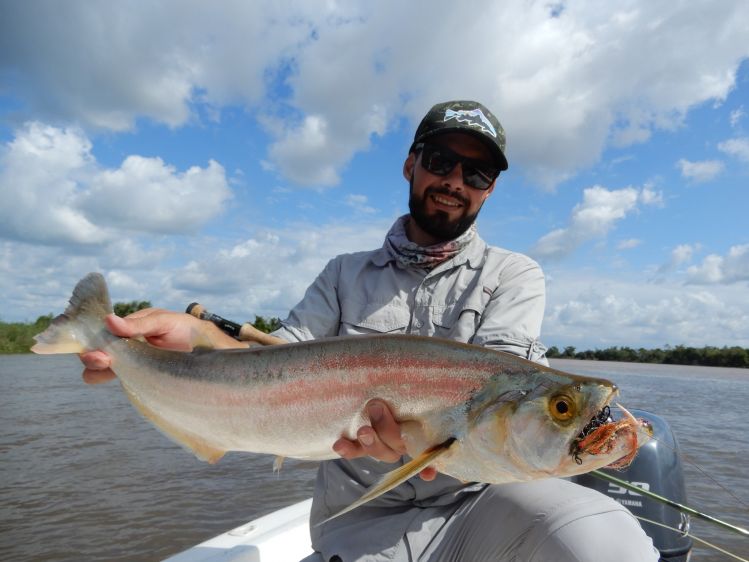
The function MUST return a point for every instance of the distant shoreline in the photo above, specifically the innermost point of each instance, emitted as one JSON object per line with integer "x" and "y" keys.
{"x": 17, "y": 338}
{"x": 708, "y": 356}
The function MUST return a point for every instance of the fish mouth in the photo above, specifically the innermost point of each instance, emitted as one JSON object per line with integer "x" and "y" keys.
{"x": 601, "y": 418}
{"x": 601, "y": 434}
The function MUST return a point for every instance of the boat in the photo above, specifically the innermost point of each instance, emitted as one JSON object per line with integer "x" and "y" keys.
{"x": 283, "y": 535}
{"x": 279, "y": 536}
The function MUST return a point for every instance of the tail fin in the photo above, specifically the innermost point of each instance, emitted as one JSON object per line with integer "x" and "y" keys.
{"x": 75, "y": 330}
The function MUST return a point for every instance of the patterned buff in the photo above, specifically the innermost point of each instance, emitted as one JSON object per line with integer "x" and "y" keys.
{"x": 428, "y": 257}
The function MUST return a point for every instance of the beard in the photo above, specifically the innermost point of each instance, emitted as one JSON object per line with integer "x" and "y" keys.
{"x": 439, "y": 225}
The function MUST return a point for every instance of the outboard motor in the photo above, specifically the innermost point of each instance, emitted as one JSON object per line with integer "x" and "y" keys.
{"x": 657, "y": 468}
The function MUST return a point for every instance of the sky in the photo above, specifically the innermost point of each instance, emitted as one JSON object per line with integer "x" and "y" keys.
{"x": 223, "y": 152}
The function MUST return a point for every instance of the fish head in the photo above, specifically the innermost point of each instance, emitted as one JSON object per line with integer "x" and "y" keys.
{"x": 532, "y": 432}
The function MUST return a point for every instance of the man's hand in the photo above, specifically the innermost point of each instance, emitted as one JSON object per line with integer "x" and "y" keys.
{"x": 381, "y": 441}
{"x": 160, "y": 328}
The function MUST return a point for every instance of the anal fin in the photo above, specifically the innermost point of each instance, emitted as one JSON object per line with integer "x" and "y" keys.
{"x": 398, "y": 476}
{"x": 199, "y": 446}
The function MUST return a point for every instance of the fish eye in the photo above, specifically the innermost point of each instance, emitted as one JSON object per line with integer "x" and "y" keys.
{"x": 562, "y": 407}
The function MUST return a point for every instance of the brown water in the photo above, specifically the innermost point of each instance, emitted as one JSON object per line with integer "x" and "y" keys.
{"x": 83, "y": 477}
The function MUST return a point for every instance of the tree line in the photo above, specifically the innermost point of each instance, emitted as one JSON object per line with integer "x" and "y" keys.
{"x": 18, "y": 337}
{"x": 679, "y": 355}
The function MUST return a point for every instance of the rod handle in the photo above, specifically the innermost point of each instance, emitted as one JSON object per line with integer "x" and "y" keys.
{"x": 241, "y": 332}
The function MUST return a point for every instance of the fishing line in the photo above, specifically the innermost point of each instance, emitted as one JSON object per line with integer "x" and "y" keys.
{"x": 713, "y": 480}
{"x": 703, "y": 541}
{"x": 671, "y": 503}
{"x": 699, "y": 469}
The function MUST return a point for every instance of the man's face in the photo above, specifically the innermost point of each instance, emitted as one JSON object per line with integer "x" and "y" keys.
{"x": 444, "y": 207}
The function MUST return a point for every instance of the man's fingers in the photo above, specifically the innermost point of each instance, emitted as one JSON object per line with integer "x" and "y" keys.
{"x": 98, "y": 376}
{"x": 366, "y": 444}
{"x": 373, "y": 446}
{"x": 96, "y": 360}
{"x": 387, "y": 430}
{"x": 428, "y": 474}
{"x": 348, "y": 449}
{"x": 381, "y": 441}
{"x": 133, "y": 326}
{"x": 169, "y": 330}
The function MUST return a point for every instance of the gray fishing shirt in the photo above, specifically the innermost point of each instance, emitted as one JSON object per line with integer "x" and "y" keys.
{"x": 484, "y": 296}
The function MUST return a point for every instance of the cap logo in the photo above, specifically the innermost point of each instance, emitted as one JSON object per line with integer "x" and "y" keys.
{"x": 473, "y": 118}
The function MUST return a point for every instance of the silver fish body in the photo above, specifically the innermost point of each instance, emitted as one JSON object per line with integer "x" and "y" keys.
{"x": 475, "y": 413}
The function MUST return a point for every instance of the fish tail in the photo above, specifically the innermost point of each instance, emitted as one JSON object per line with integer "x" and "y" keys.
{"x": 79, "y": 328}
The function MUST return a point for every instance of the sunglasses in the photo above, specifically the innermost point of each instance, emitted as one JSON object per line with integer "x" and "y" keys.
{"x": 440, "y": 161}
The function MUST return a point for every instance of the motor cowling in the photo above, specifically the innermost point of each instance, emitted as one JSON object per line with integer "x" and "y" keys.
{"x": 657, "y": 468}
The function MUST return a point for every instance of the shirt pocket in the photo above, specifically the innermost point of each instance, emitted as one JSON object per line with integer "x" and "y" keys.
{"x": 373, "y": 318}
{"x": 457, "y": 321}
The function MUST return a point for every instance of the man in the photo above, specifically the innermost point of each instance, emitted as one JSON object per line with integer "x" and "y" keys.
{"x": 434, "y": 276}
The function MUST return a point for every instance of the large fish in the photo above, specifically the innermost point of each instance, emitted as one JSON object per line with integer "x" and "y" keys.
{"x": 474, "y": 413}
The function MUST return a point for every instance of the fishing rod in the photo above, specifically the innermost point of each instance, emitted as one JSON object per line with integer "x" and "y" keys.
{"x": 671, "y": 503}
{"x": 242, "y": 332}
{"x": 698, "y": 539}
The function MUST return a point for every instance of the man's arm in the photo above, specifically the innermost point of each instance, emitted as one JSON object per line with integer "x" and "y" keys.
{"x": 512, "y": 319}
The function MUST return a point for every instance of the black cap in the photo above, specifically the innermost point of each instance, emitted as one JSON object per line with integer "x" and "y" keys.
{"x": 464, "y": 116}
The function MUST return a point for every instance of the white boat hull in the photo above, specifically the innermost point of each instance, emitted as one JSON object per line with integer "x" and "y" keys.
{"x": 281, "y": 536}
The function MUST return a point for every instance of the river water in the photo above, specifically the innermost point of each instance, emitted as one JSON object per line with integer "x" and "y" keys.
{"x": 83, "y": 477}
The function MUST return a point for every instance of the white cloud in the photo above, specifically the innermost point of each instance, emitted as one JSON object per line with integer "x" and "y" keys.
{"x": 112, "y": 64}
{"x": 268, "y": 273}
{"x": 38, "y": 279}
{"x": 306, "y": 151}
{"x": 732, "y": 268}
{"x": 628, "y": 244}
{"x": 565, "y": 84}
{"x": 593, "y": 218}
{"x": 359, "y": 203}
{"x": 144, "y": 194}
{"x": 265, "y": 274}
{"x": 681, "y": 254}
{"x": 603, "y": 312}
{"x": 52, "y": 191}
{"x": 702, "y": 171}
{"x": 737, "y": 147}
{"x": 737, "y": 115}
{"x": 41, "y": 172}
{"x": 649, "y": 197}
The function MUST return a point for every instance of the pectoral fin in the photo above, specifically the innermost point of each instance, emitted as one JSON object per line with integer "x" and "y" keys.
{"x": 398, "y": 476}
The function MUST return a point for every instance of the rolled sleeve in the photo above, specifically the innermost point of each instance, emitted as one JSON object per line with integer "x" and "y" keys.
{"x": 512, "y": 319}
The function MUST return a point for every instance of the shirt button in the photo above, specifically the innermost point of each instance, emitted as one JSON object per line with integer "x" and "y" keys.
{"x": 417, "y": 323}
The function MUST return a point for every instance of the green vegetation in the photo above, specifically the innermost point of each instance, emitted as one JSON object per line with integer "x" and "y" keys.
{"x": 125, "y": 308}
{"x": 266, "y": 325}
{"x": 17, "y": 337}
{"x": 679, "y": 355}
